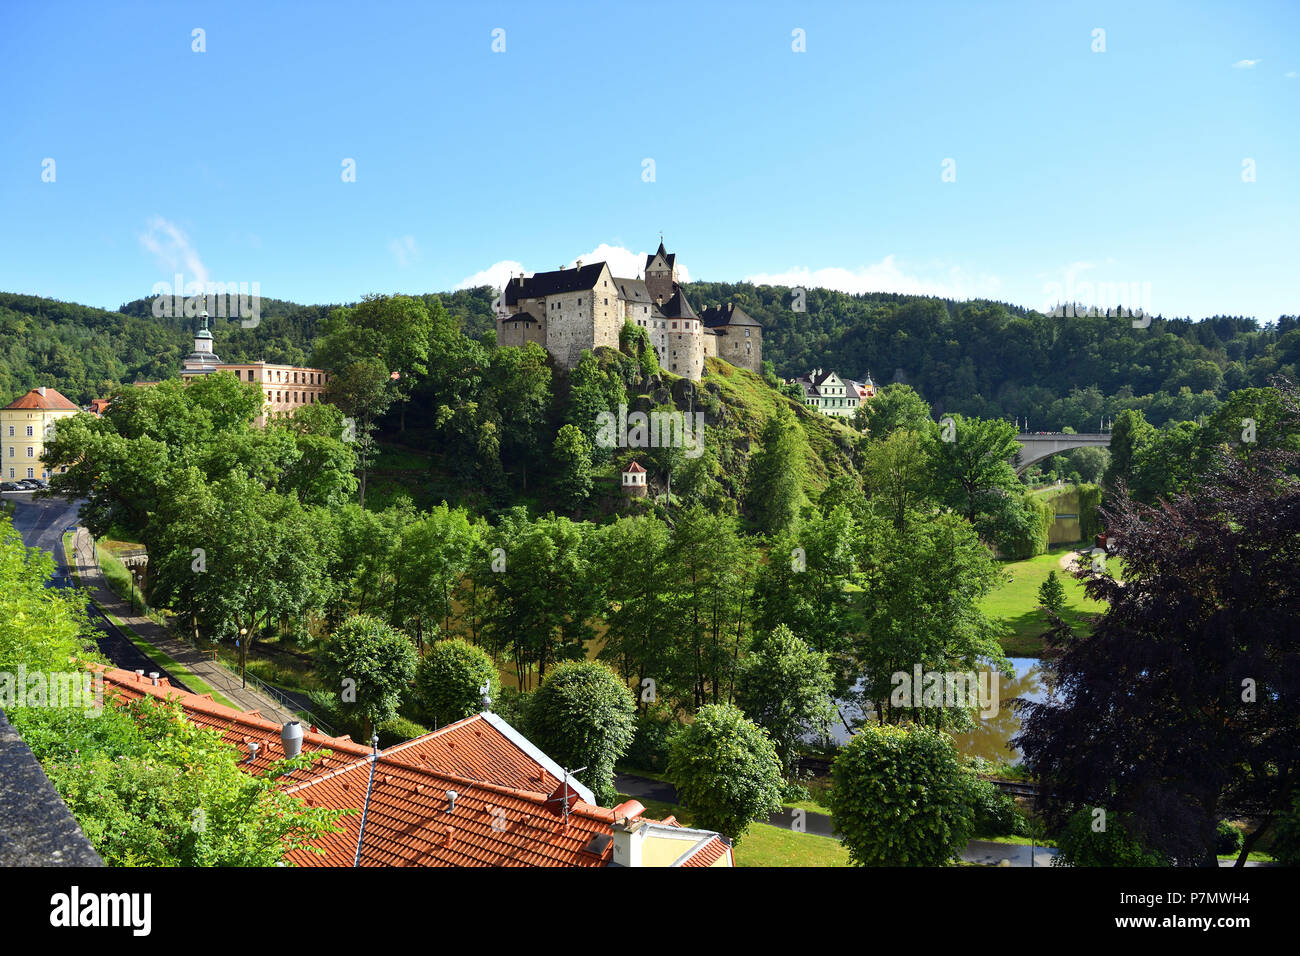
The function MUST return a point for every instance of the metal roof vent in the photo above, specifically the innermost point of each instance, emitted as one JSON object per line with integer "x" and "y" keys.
{"x": 451, "y": 800}
{"x": 291, "y": 737}
{"x": 153, "y": 676}
{"x": 253, "y": 748}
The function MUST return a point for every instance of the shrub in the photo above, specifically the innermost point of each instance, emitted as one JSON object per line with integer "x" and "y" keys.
{"x": 1081, "y": 843}
{"x": 448, "y": 681}
{"x": 996, "y": 813}
{"x": 582, "y": 716}
{"x": 726, "y": 770}
{"x": 901, "y": 798}
{"x": 1227, "y": 839}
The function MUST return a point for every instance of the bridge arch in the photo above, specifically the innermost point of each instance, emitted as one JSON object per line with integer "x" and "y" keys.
{"x": 1035, "y": 447}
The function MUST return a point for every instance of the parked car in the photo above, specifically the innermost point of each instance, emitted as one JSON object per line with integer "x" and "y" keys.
{"x": 10, "y": 486}
{"x": 29, "y": 484}
{"x": 41, "y": 483}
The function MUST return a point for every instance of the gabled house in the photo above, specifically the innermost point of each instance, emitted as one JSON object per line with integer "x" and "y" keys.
{"x": 473, "y": 793}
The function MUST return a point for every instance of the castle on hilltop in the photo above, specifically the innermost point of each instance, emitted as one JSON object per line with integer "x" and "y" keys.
{"x": 571, "y": 310}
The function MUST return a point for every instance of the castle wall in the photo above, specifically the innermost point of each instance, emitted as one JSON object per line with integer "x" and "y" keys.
{"x": 741, "y": 350}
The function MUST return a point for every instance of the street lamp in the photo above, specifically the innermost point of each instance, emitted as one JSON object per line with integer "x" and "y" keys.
{"x": 243, "y": 654}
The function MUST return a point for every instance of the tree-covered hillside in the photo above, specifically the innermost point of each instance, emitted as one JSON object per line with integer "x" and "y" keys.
{"x": 979, "y": 358}
{"x": 997, "y": 360}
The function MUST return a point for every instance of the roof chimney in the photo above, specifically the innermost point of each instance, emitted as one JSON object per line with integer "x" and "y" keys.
{"x": 139, "y": 675}
{"x": 41, "y": 391}
{"x": 153, "y": 676}
{"x": 578, "y": 264}
{"x": 628, "y": 836}
{"x": 291, "y": 737}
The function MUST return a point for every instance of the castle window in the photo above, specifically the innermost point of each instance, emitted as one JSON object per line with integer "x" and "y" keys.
{"x": 29, "y": 431}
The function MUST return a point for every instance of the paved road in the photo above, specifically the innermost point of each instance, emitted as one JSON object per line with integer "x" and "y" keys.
{"x": 41, "y": 523}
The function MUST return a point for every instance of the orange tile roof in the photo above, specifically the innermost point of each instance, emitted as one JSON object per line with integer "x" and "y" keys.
{"x": 238, "y": 727}
{"x": 708, "y": 854}
{"x": 52, "y": 400}
{"x": 477, "y": 749}
{"x": 506, "y": 811}
{"x": 408, "y": 823}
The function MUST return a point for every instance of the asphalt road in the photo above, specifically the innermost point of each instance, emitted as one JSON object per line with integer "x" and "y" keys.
{"x": 41, "y": 522}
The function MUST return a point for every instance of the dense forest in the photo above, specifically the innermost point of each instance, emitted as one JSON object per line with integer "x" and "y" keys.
{"x": 978, "y": 358}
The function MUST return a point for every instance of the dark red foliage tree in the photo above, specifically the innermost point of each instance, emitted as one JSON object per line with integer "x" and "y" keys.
{"x": 1182, "y": 707}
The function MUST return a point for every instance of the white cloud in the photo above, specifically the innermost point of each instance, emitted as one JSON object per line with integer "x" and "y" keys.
{"x": 495, "y": 275}
{"x": 885, "y": 276}
{"x": 1245, "y": 64}
{"x": 172, "y": 248}
{"x": 404, "y": 250}
{"x": 624, "y": 263}
{"x": 1290, "y": 75}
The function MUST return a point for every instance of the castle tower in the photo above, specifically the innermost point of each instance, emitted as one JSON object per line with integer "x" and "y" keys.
{"x": 661, "y": 274}
{"x": 202, "y": 360}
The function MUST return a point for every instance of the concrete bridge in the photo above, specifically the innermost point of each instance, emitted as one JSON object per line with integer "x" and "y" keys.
{"x": 1034, "y": 447}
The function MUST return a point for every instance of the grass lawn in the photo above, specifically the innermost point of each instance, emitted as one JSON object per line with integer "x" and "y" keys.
{"x": 765, "y": 845}
{"x": 1016, "y": 602}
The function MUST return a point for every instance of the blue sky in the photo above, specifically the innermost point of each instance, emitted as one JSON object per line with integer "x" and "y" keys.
{"x": 823, "y": 167}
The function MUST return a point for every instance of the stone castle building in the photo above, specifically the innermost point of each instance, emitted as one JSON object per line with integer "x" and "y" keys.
{"x": 571, "y": 310}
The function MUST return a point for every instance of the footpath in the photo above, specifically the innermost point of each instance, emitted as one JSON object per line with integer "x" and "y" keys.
{"x": 224, "y": 682}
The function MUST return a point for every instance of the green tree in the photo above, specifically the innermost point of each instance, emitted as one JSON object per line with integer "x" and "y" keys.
{"x": 776, "y": 472}
{"x": 971, "y": 461}
{"x": 543, "y": 599}
{"x": 920, "y": 604}
{"x": 901, "y": 798}
{"x": 231, "y": 555}
{"x": 1051, "y": 594}
{"x": 582, "y": 716}
{"x": 635, "y": 559}
{"x": 726, "y": 769}
{"x": 896, "y": 474}
{"x": 449, "y": 680}
{"x": 894, "y": 408}
{"x": 40, "y": 627}
{"x": 572, "y": 457}
{"x": 1128, "y": 436}
{"x": 1092, "y": 838}
{"x": 371, "y": 665}
{"x": 785, "y": 687}
{"x": 149, "y": 788}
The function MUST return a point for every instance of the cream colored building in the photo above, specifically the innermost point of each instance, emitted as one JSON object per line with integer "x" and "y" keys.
{"x": 25, "y": 425}
{"x": 285, "y": 388}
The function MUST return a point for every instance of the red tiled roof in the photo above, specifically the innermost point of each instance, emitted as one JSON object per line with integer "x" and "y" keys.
{"x": 503, "y": 815}
{"x": 634, "y": 467}
{"x": 52, "y": 400}
{"x": 708, "y": 854}
{"x": 238, "y": 727}
{"x": 475, "y": 749}
{"x": 408, "y": 823}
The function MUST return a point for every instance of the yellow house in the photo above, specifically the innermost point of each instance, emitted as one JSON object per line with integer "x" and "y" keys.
{"x": 24, "y": 427}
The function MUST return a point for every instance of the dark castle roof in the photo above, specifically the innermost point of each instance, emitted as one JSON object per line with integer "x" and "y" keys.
{"x": 728, "y": 314}
{"x": 553, "y": 283}
{"x": 678, "y": 307}
{"x": 670, "y": 257}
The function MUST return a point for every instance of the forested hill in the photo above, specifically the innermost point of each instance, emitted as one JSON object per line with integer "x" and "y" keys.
{"x": 979, "y": 358}
{"x": 991, "y": 359}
